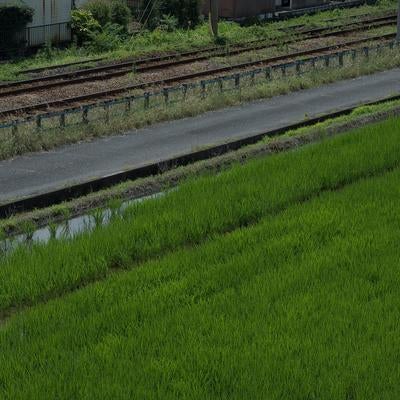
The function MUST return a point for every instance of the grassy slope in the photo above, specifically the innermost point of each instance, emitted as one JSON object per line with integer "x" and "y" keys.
{"x": 303, "y": 304}
{"x": 179, "y": 40}
{"x": 198, "y": 210}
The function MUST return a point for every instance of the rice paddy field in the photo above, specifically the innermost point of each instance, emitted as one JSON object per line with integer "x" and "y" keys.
{"x": 276, "y": 279}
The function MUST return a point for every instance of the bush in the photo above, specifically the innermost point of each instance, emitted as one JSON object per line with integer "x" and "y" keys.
{"x": 187, "y": 12}
{"x": 13, "y": 19}
{"x": 168, "y": 23}
{"x": 109, "y": 38}
{"x": 120, "y": 13}
{"x": 105, "y": 12}
{"x": 84, "y": 25}
{"x": 100, "y": 9}
{"x": 150, "y": 19}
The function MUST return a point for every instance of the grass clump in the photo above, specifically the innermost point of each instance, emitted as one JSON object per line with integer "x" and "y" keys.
{"x": 197, "y": 211}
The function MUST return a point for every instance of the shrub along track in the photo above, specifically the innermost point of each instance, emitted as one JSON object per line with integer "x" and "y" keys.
{"x": 172, "y": 60}
{"x": 87, "y": 99}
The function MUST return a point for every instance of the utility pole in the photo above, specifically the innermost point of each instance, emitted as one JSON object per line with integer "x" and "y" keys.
{"x": 214, "y": 6}
{"x": 398, "y": 23}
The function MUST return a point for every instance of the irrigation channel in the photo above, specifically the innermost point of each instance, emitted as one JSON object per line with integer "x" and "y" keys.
{"x": 47, "y": 199}
{"x": 70, "y": 227}
{"x": 273, "y": 62}
{"x": 175, "y": 59}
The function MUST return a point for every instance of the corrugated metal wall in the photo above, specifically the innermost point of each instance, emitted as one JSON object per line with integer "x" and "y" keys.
{"x": 49, "y": 12}
{"x": 49, "y": 22}
{"x": 242, "y": 8}
{"x": 237, "y": 9}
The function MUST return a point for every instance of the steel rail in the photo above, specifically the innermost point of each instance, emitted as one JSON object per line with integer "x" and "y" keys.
{"x": 287, "y": 30}
{"x": 182, "y": 78}
{"x": 149, "y": 64}
{"x": 47, "y": 199}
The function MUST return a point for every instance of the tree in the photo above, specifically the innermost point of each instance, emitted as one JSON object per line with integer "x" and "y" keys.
{"x": 120, "y": 13}
{"x": 13, "y": 19}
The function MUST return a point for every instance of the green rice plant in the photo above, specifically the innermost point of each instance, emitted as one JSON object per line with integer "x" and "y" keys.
{"x": 197, "y": 211}
{"x": 303, "y": 304}
{"x": 53, "y": 230}
{"x": 98, "y": 217}
{"x": 114, "y": 205}
{"x": 29, "y": 228}
{"x": 3, "y": 243}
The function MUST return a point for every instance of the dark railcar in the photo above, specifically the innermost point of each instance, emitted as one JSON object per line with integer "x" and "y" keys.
{"x": 237, "y": 9}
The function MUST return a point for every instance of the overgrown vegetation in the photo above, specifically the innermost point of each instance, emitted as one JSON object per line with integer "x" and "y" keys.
{"x": 186, "y": 13}
{"x": 109, "y": 12}
{"x": 101, "y": 25}
{"x": 276, "y": 277}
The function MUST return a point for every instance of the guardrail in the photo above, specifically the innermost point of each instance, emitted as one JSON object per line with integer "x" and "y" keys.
{"x": 105, "y": 111}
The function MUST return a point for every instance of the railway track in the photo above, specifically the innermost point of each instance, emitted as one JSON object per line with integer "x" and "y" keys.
{"x": 47, "y": 199}
{"x": 79, "y": 101}
{"x": 171, "y": 60}
{"x": 293, "y": 28}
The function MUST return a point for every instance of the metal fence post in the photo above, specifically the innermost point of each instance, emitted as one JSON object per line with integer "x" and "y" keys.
{"x": 252, "y": 78}
{"x": 166, "y": 95}
{"x": 203, "y": 89}
{"x": 128, "y": 105}
{"x": 14, "y": 128}
{"x": 107, "y": 113}
{"x": 237, "y": 81}
{"x": 298, "y": 67}
{"x": 85, "y": 112}
{"x": 268, "y": 74}
{"x": 184, "y": 90}
{"x": 220, "y": 85}
{"x": 62, "y": 120}
{"x": 38, "y": 122}
{"x": 283, "y": 69}
{"x": 341, "y": 59}
{"x": 146, "y": 100}
{"x": 327, "y": 61}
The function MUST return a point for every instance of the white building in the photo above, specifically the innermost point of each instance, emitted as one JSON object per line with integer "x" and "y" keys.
{"x": 50, "y": 20}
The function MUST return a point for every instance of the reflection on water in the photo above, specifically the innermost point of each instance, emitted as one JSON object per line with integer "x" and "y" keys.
{"x": 71, "y": 227}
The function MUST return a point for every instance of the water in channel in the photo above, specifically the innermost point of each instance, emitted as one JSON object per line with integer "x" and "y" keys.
{"x": 70, "y": 227}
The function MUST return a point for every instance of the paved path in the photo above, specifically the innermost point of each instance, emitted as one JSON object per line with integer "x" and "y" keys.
{"x": 41, "y": 172}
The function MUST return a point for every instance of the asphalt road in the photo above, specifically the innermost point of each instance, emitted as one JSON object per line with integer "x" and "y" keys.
{"x": 41, "y": 172}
